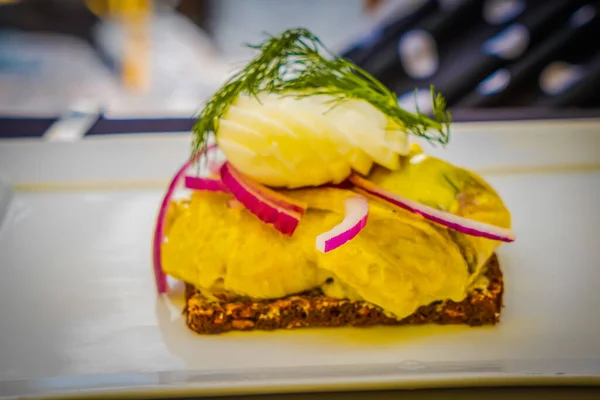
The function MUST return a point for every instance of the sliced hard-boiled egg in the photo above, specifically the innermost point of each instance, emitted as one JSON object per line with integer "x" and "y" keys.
{"x": 306, "y": 139}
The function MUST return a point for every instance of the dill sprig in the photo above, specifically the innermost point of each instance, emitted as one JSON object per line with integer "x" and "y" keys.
{"x": 296, "y": 63}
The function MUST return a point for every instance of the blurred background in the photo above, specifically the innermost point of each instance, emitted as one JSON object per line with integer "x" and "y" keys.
{"x": 86, "y": 67}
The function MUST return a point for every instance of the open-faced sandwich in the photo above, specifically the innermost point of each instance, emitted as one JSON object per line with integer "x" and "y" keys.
{"x": 323, "y": 214}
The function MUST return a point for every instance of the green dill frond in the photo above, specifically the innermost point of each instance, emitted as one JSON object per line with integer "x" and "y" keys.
{"x": 296, "y": 63}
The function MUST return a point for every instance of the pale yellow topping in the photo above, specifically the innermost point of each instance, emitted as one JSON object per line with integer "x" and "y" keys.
{"x": 290, "y": 142}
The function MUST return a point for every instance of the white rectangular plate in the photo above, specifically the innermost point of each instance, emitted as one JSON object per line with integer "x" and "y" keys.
{"x": 79, "y": 314}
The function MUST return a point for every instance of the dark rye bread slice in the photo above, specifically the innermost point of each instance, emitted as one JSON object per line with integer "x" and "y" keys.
{"x": 314, "y": 309}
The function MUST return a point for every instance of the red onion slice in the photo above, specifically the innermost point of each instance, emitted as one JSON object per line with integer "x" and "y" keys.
{"x": 257, "y": 199}
{"x": 278, "y": 199}
{"x": 355, "y": 219}
{"x": 159, "y": 275}
{"x": 211, "y": 185}
{"x": 448, "y": 220}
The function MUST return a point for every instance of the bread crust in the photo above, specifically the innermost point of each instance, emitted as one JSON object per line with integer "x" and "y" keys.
{"x": 314, "y": 309}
